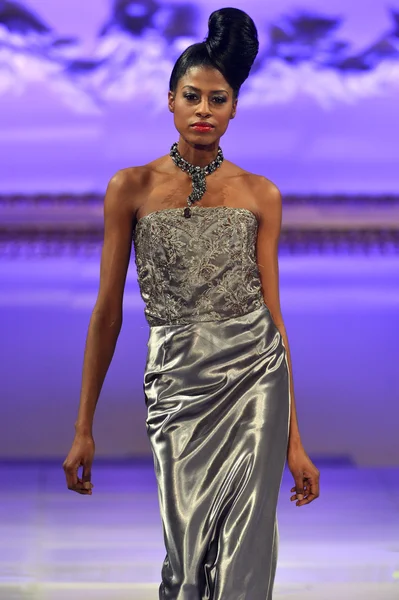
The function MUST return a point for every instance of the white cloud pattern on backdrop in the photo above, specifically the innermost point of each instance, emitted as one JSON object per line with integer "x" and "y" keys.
{"x": 137, "y": 46}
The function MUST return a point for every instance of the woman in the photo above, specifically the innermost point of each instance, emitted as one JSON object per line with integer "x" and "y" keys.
{"x": 217, "y": 384}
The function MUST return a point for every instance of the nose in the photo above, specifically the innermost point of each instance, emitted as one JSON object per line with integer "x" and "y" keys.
{"x": 203, "y": 108}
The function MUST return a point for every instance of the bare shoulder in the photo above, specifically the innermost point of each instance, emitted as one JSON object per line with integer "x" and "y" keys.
{"x": 258, "y": 185}
{"x": 129, "y": 180}
{"x": 129, "y": 188}
{"x": 126, "y": 188}
{"x": 260, "y": 192}
{"x": 263, "y": 189}
{"x": 267, "y": 198}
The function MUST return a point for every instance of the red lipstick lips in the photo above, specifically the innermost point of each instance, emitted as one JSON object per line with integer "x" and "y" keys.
{"x": 202, "y": 126}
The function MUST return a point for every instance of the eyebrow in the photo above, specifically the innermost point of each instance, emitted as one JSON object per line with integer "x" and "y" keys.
{"x": 198, "y": 90}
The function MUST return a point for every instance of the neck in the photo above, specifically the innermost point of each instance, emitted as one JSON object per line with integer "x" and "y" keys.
{"x": 197, "y": 155}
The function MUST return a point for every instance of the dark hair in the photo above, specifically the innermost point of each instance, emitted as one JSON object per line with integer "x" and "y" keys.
{"x": 231, "y": 47}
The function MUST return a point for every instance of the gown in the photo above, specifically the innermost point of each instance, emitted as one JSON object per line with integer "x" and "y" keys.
{"x": 216, "y": 388}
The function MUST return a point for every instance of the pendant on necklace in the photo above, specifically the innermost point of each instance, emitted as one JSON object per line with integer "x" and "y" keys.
{"x": 198, "y": 175}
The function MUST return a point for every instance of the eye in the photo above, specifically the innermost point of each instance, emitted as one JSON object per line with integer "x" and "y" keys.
{"x": 190, "y": 96}
{"x": 220, "y": 99}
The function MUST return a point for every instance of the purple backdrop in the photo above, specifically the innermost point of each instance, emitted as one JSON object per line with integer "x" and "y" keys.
{"x": 83, "y": 93}
{"x": 341, "y": 314}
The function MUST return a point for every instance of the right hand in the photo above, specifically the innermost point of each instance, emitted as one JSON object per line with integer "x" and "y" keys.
{"x": 81, "y": 454}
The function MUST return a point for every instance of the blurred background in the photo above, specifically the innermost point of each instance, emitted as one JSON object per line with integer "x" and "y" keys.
{"x": 83, "y": 92}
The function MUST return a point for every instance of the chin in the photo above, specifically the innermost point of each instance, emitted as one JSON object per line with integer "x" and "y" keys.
{"x": 203, "y": 138}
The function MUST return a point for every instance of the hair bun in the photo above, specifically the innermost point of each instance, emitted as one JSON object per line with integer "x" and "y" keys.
{"x": 232, "y": 44}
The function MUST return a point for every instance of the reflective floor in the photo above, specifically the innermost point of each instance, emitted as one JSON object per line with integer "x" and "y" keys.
{"x": 57, "y": 545}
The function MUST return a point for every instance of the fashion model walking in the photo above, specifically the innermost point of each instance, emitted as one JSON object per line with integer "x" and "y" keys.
{"x": 217, "y": 384}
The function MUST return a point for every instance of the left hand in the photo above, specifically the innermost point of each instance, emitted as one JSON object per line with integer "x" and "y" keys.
{"x": 305, "y": 474}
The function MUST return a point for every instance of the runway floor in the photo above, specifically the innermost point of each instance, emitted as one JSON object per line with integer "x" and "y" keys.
{"x": 58, "y": 545}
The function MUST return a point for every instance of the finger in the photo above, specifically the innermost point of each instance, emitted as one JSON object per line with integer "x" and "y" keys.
{"x": 83, "y": 492}
{"x": 71, "y": 474}
{"x": 84, "y": 486}
{"x": 314, "y": 486}
{"x": 313, "y": 482}
{"x": 313, "y": 491}
{"x": 80, "y": 488}
{"x": 86, "y": 476}
{"x": 74, "y": 482}
{"x": 307, "y": 500}
{"x": 305, "y": 490}
{"x": 295, "y": 495}
{"x": 299, "y": 486}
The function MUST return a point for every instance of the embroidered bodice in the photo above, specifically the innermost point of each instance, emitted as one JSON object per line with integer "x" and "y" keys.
{"x": 198, "y": 269}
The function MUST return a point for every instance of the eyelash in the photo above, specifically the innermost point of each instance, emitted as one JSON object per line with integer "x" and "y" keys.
{"x": 219, "y": 99}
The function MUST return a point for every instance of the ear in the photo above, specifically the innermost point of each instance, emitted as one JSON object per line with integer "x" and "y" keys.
{"x": 234, "y": 109}
{"x": 171, "y": 101}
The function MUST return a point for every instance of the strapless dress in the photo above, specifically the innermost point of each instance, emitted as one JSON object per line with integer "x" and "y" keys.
{"x": 216, "y": 388}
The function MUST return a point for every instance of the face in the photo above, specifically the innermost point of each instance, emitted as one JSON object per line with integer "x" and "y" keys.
{"x": 202, "y": 95}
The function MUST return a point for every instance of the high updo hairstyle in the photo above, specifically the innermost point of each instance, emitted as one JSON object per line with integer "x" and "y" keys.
{"x": 231, "y": 47}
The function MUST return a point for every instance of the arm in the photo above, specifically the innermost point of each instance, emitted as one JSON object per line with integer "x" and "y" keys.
{"x": 270, "y": 211}
{"x": 269, "y": 205}
{"x": 105, "y": 325}
{"x": 106, "y": 319}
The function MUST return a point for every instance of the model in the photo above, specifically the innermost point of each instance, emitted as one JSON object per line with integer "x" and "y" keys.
{"x": 218, "y": 380}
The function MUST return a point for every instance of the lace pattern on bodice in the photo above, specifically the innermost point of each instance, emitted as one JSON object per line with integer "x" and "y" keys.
{"x": 198, "y": 269}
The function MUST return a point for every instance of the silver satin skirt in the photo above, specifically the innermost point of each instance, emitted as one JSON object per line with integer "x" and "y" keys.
{"x": 217, "y": 394}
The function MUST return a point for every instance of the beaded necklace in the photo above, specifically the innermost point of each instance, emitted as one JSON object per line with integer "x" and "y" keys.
{"x": 197, "y": 174}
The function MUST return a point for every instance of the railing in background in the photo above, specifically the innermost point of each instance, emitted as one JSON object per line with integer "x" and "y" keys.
{"x": 68, "y": 224}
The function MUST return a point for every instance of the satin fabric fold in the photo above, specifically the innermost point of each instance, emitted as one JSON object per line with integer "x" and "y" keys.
{"x": 218, "y": 408}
